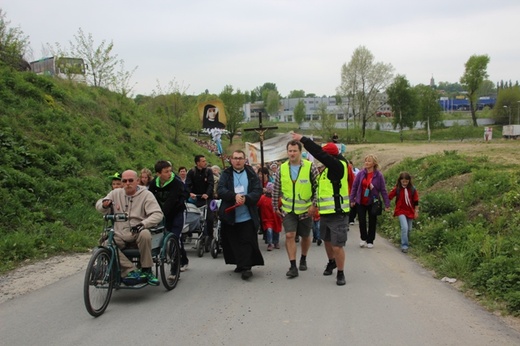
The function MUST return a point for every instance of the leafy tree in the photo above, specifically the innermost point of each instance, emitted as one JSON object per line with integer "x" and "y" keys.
{"x": 327, "y": 121}
{"x": 507, "y": 106}
{"x": 401, "y": 99}
{"x": 121, "y": 82}
{"x": 173, "y": 105}
{"x": 13, "y": 45}
{"x": 299, "y": 112}
{"x": 272, "y": 102}
{"x": 472, "y": 79}
{"x": 429, "y": 110}
{"x": 363, "y": 80}
{"x": 100, "y": 60}
{"x": 296, "y": 94}
{"x": 233, "y": 103}
{"x": 261, "y": 92}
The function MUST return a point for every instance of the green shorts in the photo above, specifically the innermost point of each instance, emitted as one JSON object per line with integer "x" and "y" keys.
{"x": 292, "y": 223}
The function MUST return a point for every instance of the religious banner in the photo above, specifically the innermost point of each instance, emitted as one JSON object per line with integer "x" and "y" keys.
{"x": 274, "y": 149}
{"x": 212, "y": 114}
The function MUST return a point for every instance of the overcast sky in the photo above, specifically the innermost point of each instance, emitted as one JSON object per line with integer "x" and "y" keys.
{"x": 296, "y": 44}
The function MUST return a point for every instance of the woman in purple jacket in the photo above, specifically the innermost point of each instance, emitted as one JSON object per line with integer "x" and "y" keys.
{"x": 368, "y": 185}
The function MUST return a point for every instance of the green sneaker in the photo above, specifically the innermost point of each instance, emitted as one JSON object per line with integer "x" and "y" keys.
{"x": 150, "y": 277}
{"x": 133, "y": 278}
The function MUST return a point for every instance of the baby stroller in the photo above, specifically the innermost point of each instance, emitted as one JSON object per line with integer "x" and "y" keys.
{"x": 194, "y": 223}
{"x": 215, "y": 246}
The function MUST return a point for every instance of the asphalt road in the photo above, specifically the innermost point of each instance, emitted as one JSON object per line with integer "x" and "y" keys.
{"x": 388, "y": 300}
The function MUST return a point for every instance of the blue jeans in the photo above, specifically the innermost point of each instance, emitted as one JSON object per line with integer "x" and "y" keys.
{"x": 406, "y": 228}
{"x": 272, "y": 237}
{"x": 316, "y": 229}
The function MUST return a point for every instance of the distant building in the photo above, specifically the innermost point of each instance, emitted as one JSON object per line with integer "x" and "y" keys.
{"x": 63, "y": 67}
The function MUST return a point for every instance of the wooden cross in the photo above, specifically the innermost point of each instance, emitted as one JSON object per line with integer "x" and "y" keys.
{"x": 261, "y": 131}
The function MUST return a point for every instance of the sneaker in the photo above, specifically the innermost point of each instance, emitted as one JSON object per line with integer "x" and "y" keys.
{"x": 270, "y": 247}
{"x": 184, "y": 267}
{"x": 276, "y": 246}
{"x": 330, "y": 267}
{"x": 319, "y": 242}
{"x": 133, "y": 278}
{"x": 313, "y": 240}
{"x": 171, "y": 279}
{"x": 297, "y": 239}
{"x": 351, "y": 223}
{"x": 246, "y": 274}
{"x": 363, "y": 243}
{"x": 303, "y": 265}
{"x": 340, "y": 279}
{"x": 404, "y": 250}
{"x": 293, "y": 272}
{"x": 150, "y": 277}
{"x": 370, "y": 245}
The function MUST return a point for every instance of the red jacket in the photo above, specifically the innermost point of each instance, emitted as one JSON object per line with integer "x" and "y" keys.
{"x": 268, "y": 217}
{"x": 401, "y": 205}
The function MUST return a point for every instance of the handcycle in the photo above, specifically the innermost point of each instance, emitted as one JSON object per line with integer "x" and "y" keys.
{"x": 103, "y": 272}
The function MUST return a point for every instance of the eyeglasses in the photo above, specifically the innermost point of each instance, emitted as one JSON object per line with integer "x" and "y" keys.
{"x": 238, "y": 158}
{"x": 124, "y": 181}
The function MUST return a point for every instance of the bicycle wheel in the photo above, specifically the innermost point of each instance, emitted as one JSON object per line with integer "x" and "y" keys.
{"x": 99, "y": 281}
{"x": 171, "y": 263}
{"x": 200, "y": 246}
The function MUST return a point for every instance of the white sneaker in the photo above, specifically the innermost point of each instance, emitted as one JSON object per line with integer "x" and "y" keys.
{"x": 184, "y": 267}
{"x": 370, "y": 246}
{"x": 363, "y": 244}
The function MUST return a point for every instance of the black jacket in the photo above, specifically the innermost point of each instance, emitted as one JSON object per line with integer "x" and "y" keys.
{"x": 226, "y": 192}
{"x": 171, "y": 198}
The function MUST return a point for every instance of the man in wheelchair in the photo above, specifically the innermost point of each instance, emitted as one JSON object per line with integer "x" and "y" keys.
{"x": 143, "y": 212}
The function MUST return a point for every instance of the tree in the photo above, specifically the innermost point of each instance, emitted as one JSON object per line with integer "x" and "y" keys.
{"x": 173, "y": 105}
{"x": 100, "y": 61}
{"x": 401, "y": 99}
{"x": 121, "y": 82}
{"x": 429, "y": 110}
{"x": 299, "y": 112}
{"x": 260, "y": 93}
{"x": 272, "y": 102}
{"x": 233, "y": 103}
{"x": 472, "y": 79}
{"x": 13, "y": 45}
{"x": 296, "y": 94}
{"x": 362, "y": 80}
{"x": 507, "y": 107}
{"x": 327, "y": 121}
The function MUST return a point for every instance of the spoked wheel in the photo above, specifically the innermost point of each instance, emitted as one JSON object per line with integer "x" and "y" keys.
{"x": 171, "y": 264}
{"x": 98, "y": 284}
{"x": 214, "y": 248}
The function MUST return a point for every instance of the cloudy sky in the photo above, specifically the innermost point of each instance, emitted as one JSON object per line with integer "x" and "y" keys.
{"x": 296, "y": 44}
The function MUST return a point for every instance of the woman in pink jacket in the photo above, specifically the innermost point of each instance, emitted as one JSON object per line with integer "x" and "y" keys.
{"x": 406, "y": 206}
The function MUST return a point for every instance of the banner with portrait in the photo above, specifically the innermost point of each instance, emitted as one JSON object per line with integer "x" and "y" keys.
{"x": 275, "y": 149}
{"x": 212, "y": 114}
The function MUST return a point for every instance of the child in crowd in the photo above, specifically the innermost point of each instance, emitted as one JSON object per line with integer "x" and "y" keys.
{"x": 406, "y": 206}
{"x": 316, "y": 228}
{"x": 271, "y": 222}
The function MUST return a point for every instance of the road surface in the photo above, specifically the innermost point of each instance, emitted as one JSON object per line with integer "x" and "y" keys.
{"x": 388, "y": 300}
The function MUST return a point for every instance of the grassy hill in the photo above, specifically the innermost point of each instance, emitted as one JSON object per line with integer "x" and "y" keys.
{"x": 59, "y": 141}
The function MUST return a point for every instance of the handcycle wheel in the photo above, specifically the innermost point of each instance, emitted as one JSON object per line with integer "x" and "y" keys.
{"x": 200, "y": 246}
{"x": 171, "y": 263}
{"x": 99, "y": 282}
{"x": 214, "y": 248}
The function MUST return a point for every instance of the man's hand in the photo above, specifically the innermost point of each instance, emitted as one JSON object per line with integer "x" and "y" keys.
{"x": 137, "y": 228}
{"x": 297, "y": 136}
{"x": 106, "y": 203}
{"x": 204, "y": 196}
{"x": 240, "y": 199}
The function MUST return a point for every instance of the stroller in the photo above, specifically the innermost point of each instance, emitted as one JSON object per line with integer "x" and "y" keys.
{"x": 193, "y": 230}
{"x": 215, "y": 246}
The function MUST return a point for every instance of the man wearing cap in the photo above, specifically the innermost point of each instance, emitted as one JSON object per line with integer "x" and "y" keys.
{"x": 333, "y": 203}
{"x": 295, "y": 184}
